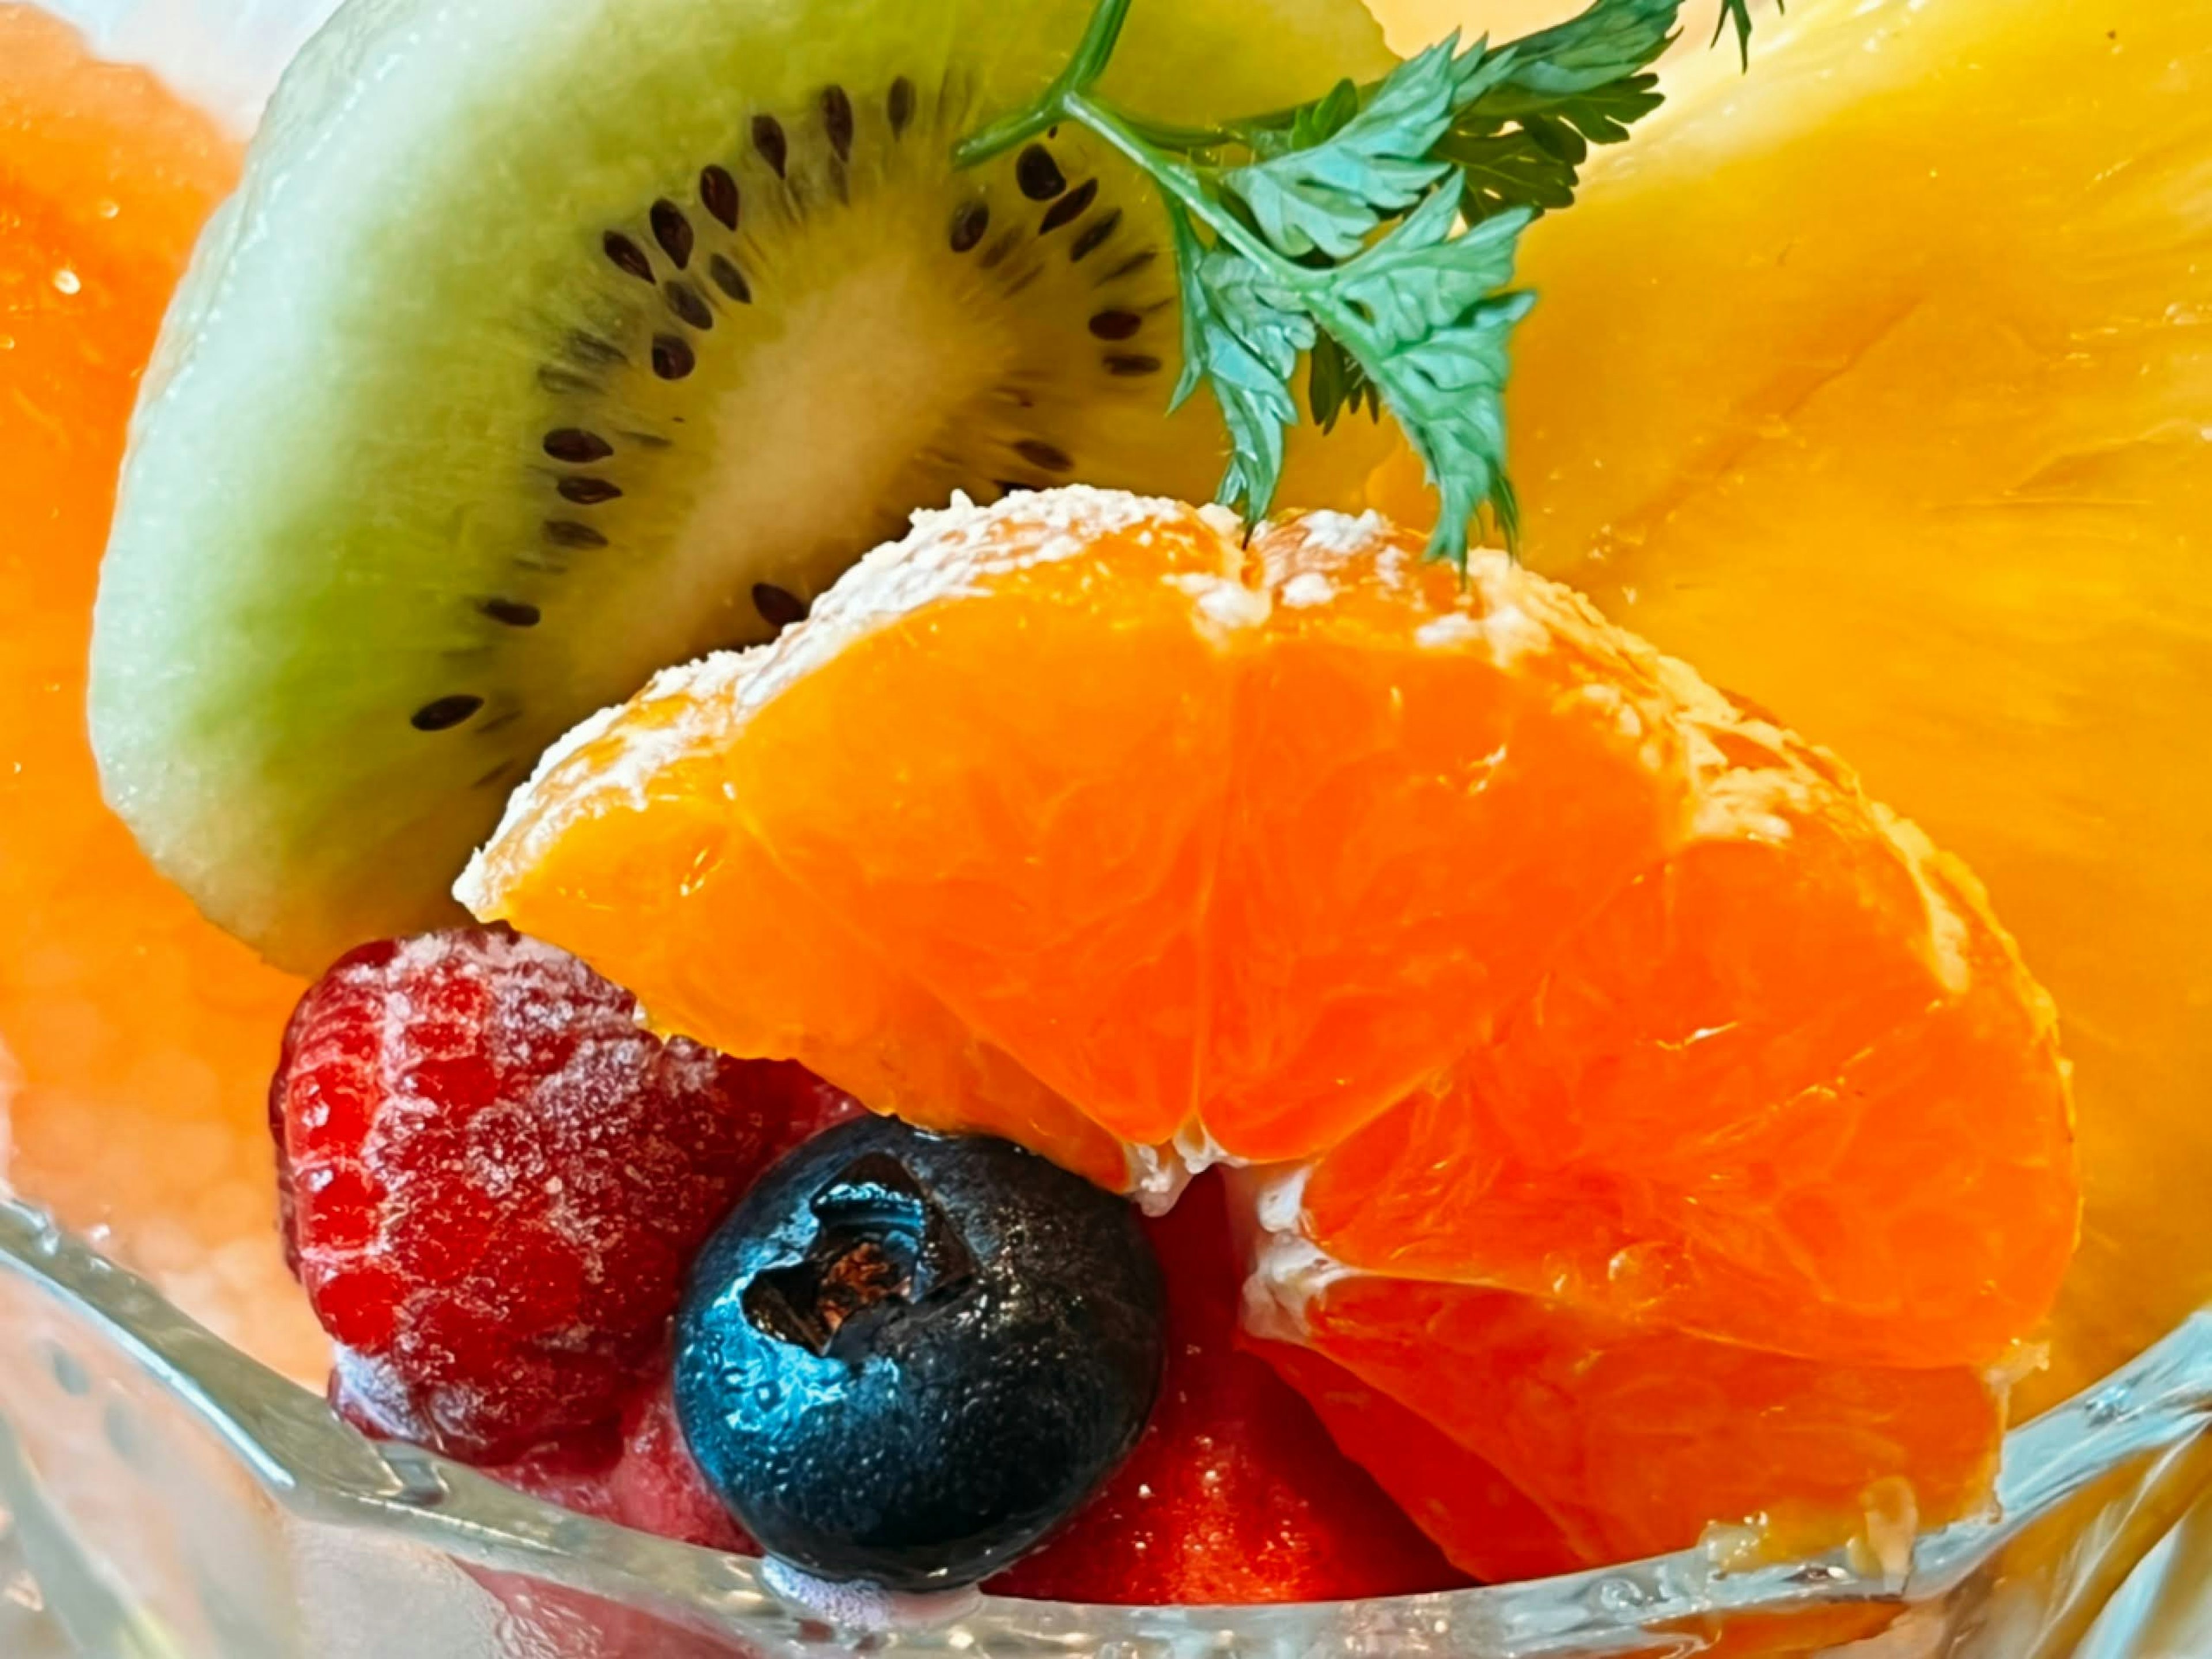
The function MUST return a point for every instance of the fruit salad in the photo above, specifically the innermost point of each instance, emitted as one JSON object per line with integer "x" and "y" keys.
{"x": 849, "y": 732}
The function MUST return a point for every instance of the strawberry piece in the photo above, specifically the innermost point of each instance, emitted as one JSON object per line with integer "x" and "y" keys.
{"x": 1236, "y": 1493}
{"x": 640, "y": 1474}
{"x": 496, "y": 1179}
{"x": 636, "y": 1472}
{"x": 656, "y": 1486}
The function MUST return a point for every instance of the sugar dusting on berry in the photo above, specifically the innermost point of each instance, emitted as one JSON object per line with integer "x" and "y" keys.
{"x": 498, "y": 1180}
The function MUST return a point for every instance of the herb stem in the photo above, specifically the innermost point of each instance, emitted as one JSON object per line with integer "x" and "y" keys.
{"x": 1170, "y": 174}
{"x": 1180, "y": 182}
{"x": 1100, "y": 36}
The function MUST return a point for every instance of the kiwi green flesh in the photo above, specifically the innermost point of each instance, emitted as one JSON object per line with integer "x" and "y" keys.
{"x": 545, "y": 346}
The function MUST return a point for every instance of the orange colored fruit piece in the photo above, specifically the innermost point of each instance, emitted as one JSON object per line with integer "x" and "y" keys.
{"x": 1604, "y": 1004}
{"x": 135, "y": 1039}
{"x": 1484, "y": 1523}
{"x": 1631, "y": 1440}
{"x": 1789, "y": 1088}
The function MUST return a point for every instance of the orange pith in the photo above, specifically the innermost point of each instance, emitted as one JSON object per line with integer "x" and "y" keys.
{"x": 135, "y": 1039}
{"x": 1610, "y": 1068}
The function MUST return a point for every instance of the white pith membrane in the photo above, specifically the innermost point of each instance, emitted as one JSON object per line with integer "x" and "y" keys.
{"x": 1744, "y": 770}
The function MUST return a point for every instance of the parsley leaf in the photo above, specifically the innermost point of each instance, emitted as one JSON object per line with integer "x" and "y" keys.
{"x": 1581, "y": 83}
{"x": 1242, "y": 336}
{"x": 1335, "y": 382}
{"x": 1432, "y": 341}
{"x": 1372, "y": 230}
{"x": 1738, "y": 12}
{"x": 1330, "y": 195}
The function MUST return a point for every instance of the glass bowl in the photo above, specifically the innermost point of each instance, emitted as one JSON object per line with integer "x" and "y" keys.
{"x": 172, "y": 1498}
{"x": 163, "y": 1496}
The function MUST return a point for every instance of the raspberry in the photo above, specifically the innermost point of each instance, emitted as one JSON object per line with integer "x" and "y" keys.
{"x": 496, "y": 1179}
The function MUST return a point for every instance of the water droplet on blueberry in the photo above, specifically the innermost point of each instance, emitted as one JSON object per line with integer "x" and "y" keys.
{"x": 905, "y": 1357}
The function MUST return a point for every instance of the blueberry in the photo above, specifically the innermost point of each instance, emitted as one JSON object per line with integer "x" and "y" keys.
{"x": 904, "y": 1357}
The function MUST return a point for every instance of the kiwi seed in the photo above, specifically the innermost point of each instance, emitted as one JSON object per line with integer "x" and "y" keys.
{"x": 628, "y": 255}
{"x": 768, "y": 140}
{"x": 673, "y": 358}
{"x": 567, "y": 532}
{"x": 443, "y": 713}
{"x": 1050, "y": 457}
{"x": 1037, "y": 175}
{"x": 717, "y": 194}
{"x": 837, "y": 122}
{"x": 969, "y": 220}
{"x": 1093, "y": 235}
{"x": 778, "y": 606}
{"x": 898, "y": 104}
{"x": 513, "y": 613}
{"x": 1069, "y": 208}
{"x": 683, "y": 300}
{"x": 574, "y": 444}
{"x": 671, "y": 230}
{"x": 728, "y": 278}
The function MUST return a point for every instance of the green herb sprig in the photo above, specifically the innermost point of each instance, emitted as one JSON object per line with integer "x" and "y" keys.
{"x": 1372, "y": 232}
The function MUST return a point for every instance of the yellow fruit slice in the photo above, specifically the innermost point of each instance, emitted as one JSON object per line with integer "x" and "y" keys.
{"x": 1878, "y": 384}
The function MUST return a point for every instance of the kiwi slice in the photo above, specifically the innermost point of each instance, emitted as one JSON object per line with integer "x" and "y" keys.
{"x": 545, "y": 345}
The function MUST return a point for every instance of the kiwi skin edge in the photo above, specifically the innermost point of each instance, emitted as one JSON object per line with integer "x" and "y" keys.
{"x": 475, "y": 407}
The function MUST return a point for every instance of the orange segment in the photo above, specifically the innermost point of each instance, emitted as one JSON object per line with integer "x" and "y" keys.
{"x": 812, "y": 986}
{"x": 1789, "y": 1088}
{"x": 1633, "y": 1441}
{"x": 1040, "y": 829}
{"x": 1484, "y": 1524}
{"x": 1418, "y": 769}
{"x": 135, "y": 1040}
{"x": 1606, "y": 1006}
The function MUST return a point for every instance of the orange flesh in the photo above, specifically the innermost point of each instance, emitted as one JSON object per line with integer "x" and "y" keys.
{"x": 1632, "y": 1441}
{"x": 1693, "y": 1085}
{"x": 135, "y": 1039}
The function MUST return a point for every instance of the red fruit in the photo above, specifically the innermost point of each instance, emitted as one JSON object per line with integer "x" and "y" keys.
{"x": 496, "y": 1180}
{"x": 640, "y": 1474}
{"x": 1236, "y": 1492}
{"x": 577, "y": 1473}
{"x": 656, "y": 1485}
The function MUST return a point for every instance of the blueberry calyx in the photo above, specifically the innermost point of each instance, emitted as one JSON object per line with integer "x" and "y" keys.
{"x": 884, "y": 1245}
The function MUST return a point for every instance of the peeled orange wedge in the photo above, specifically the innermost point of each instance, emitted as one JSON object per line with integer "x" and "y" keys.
{"x": 1616, "y": 1088}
